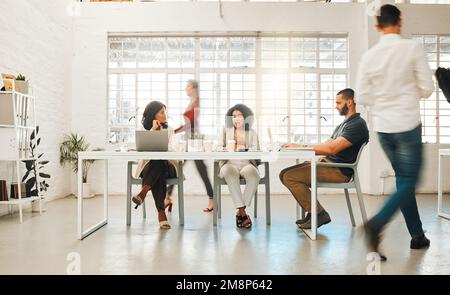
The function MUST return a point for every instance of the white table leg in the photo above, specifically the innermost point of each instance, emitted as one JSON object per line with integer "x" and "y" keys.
{"x": 312, "y": 233}
{"x": 80, "y": 198}
{"x": 215, "y": 203}
{"x": 82, "y": 234}
{"x": 105, "y": 192}
{"x": 313, "y": 200}
{"x": 440, "y": 189}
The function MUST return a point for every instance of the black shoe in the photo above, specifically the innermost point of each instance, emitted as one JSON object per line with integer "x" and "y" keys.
{"x": 307, "y": 217}
{"x": 322, "y": 218}
{"x": 373, "y": 240}
{"x": 420, "y": 242}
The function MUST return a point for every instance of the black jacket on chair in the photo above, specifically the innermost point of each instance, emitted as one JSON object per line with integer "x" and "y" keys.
{"x": 443, "y": 78}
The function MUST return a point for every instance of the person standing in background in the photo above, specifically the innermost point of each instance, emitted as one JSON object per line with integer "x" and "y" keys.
{"x": 393, "y": 75}
{"x": 191, "y": 127}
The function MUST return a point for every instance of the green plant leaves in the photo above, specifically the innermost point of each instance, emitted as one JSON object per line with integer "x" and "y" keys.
{"x": 29, "y": 165}
{"x": 26, "y": 175}
{"x": 31, "y": 182}
{"x": 33, "y": 166}
{"x": 44, "y": 175}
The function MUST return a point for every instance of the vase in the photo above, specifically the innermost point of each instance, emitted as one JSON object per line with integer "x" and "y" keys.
{"x": 35, "y": 205}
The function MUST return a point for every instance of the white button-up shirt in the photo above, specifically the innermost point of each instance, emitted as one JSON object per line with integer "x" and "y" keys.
{"x": 392, "y": 77}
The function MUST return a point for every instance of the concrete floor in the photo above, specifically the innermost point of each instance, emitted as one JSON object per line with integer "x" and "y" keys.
{"x": 42, "y": 243}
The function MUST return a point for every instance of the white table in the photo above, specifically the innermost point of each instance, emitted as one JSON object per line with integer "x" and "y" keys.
{"x": 303, "y": 155}
{"x": 442, "y": 153}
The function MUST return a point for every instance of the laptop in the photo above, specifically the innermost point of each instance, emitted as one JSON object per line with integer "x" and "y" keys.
{"x": 152, "y": 141}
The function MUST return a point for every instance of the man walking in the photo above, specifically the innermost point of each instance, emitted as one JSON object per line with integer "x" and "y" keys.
{"x": 392, "y": 77}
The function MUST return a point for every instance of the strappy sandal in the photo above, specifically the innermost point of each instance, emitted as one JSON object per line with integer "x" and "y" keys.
{"x": 208, "y": 209}
{"x": 246, "y": 222}
{"x": 164, "y": 224}
{"x": 238, "y": 221}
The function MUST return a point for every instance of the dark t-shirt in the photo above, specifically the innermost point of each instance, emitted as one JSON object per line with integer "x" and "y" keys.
{"x": 354, "y": 129}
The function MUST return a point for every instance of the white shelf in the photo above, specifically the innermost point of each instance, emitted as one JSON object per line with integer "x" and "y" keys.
{"x": 28, "y": 159}
{"x": 18, "y": 123}
{"x": 17, "y": 92}
{"x": 18, "y": 126}
{"x": 19, "y": 201}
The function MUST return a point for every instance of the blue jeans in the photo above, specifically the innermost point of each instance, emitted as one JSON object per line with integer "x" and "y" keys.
{"x": 404, "y": 151}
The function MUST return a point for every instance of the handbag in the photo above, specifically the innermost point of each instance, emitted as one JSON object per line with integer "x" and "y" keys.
{"x": 443, "y": 78}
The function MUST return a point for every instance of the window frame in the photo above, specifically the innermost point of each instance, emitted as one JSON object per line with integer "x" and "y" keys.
{"x": 258, "y": 71}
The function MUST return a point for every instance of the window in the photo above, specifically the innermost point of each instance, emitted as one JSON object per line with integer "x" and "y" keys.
{"x": 435, "y": 110}
{"x": 289, "y": 81}
{"x": 429, "y": 1}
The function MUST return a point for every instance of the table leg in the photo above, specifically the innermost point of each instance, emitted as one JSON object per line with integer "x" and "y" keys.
{"x": 80, "y": 198}
{"x": 313, "y": 200}
{"x": 312, "y": 233}
{"x": 82, "y": 234}
{"x": 215, "y": 184}
{"x": 440, "y": 189}
{"x": 105, "y": 192}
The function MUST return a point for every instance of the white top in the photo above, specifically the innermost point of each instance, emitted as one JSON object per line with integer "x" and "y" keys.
{"x": 392, "y": 77}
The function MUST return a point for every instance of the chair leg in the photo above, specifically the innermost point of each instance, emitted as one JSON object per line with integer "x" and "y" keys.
{"x": 268, "y": 216}
{"x": 349, "y": 205}
{"x": 219, "y": 201}
{"x": 181, "y": 194}
{"x": 129, "y": 192}
{"x": 299, "y": 211}
{"x": 144, "y": 212}
{"x": 360, "y": 198}
{"x": 255, "y": 212}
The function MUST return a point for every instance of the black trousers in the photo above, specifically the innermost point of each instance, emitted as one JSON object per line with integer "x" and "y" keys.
{"x": 155, "y": 174}
{"x": 201, "y": 168}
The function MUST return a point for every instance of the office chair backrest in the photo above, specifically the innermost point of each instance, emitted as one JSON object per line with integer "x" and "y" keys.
{"x": 359, "y": 153}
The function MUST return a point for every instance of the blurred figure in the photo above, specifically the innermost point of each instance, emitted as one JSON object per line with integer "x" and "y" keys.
{"x": 393, "y": 75}
{"x": 239, "y": 121}
{"x": 191, "y": 127}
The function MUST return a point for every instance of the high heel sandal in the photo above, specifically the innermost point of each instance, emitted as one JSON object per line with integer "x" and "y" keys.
{"x": 164, "y": 224}
{"x": 169, "y": 207}
{"x": 238, "y": 221}
{"x": 168, "y": 204}
{"x": 246, "y": 222}
{"x": 137, "y": 200}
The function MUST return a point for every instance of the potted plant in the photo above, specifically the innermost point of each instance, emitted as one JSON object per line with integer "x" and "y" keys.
{"x": 34, "y": 169}
{"x": 69, "y": 148}
{"x": 21, "y": 84}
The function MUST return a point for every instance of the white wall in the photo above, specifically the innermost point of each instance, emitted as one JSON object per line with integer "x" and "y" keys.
{"x": 97, "y": 19}
{"x": 89, "y": 64}
{"x": 36, "y": 41}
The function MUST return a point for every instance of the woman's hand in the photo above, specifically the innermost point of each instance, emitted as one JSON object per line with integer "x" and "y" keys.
{"x": 156, "y": 125}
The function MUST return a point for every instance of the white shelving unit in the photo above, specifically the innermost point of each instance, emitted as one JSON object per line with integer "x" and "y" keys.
{"x": 17, "y": 122}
